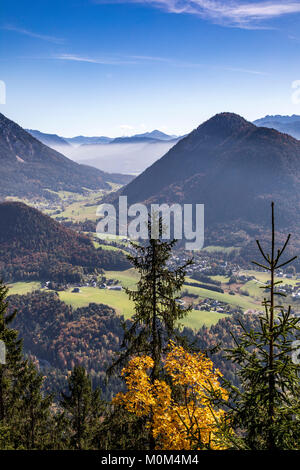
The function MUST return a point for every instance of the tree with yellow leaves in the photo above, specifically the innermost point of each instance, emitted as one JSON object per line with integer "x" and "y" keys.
{"x": 180, "y": 414}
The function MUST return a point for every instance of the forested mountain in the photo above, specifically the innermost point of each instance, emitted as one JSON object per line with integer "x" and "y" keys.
{"x": 34, "y": 246}
{"x": 30, "y": 168}
{"x": 287, "y": 124}
{"x": 232, "y": 166}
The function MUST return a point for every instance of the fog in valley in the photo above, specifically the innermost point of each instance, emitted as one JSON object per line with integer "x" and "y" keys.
{"x": 126, "y": 158}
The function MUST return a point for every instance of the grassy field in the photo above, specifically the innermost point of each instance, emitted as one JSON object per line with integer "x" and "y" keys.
{"x": 198, "y": 318}
{"x": 115, "y": 299}
{"x": 254, "y": 289}
{"x": 261, "y": 278}
{"x": 22, "y": 288}
{"x": 121, "y": 303}
{"x": 236, "y": 300}
{"x": 79, "y": 207}
{"x": 72, "y": 206}
{"x": 78, "y": 212}
{"x": 127, "y": 278}
{"x": 265, "y": 277}
{"x": 222, "y": 279}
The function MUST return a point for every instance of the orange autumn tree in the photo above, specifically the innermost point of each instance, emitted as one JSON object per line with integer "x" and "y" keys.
{"x": 179, "y": 410}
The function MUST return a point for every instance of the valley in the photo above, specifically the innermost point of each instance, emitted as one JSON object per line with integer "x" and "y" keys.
{"x": 68, "y": 286}
{"x": 226, "y": 285}
{"x": 210, "y": 306}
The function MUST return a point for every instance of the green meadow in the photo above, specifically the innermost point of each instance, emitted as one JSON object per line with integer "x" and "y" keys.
{"x": 120, "y": 302}
{"x": 116, "y": 299}
{"x": 198, "y": 318}
{"x": 23, "y": 288}
{"x": 123, "y": 306}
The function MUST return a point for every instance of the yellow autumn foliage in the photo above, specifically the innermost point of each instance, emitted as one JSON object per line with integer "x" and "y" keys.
{"x": 183, "y": 419}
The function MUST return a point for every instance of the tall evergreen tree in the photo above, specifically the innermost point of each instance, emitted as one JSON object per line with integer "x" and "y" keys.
{"x": 13, "y": 360}
{"x": 83, "y": 411}
{"x": 157, "y": 310}
{"x": 265, "y": 411}
{"x": 122, "y": 430}
{"x": 34, "y": 418}
{"x": 24, "y": 411}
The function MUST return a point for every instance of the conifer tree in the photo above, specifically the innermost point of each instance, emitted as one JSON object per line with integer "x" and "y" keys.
{"x": 24, "y": 411}
{"x": 13, "y": 359}
{"x": 122, "y": 430}
{"x": 265, "y": 411}
{"x": 34, "y": 419}
{"x": 157, "y": 310}
{"x": 83, "y": 410}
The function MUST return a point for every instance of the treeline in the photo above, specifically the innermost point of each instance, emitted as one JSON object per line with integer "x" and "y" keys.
{"x": 205, "y": 279}
{"x": 205, "y": 286}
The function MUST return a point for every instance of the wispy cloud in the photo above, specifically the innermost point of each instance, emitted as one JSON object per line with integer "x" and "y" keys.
{"x": 91, "y": 60}
{"x": 32, "y": 34}
{"x": 141, "y": 59}
{"x": 243, "y": 14}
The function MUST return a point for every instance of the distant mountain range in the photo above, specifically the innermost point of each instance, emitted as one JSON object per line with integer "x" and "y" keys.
{"x": 150, "y": 137}
{"x": 82, "y": 140}
{"x": 30, "y": 168}
{"x": 126, "y": 155}
{"x": 287, "y": 124}
{"x": 232, "y": 166}
{"x": 53, "y": 140}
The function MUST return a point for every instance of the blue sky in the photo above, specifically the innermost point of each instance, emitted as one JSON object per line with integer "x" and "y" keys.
{"x": 117, "y": 67}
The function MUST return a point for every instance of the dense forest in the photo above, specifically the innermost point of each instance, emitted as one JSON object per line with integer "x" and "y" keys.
{"x": 59, "y": 337}
{"x": 34, "y": 246}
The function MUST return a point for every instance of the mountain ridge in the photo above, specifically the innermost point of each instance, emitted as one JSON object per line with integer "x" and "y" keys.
{"x": 232, "y": 167}
{"x": 30, "y": 168}
{"x": 286, "y": 124}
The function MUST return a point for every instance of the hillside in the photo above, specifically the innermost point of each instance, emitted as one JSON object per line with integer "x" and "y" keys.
{"x": 30, "y": 168}
{"x": 232, "y": 166}
{"x": 34, "y": 246}
{"x": 59, "y": 337}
